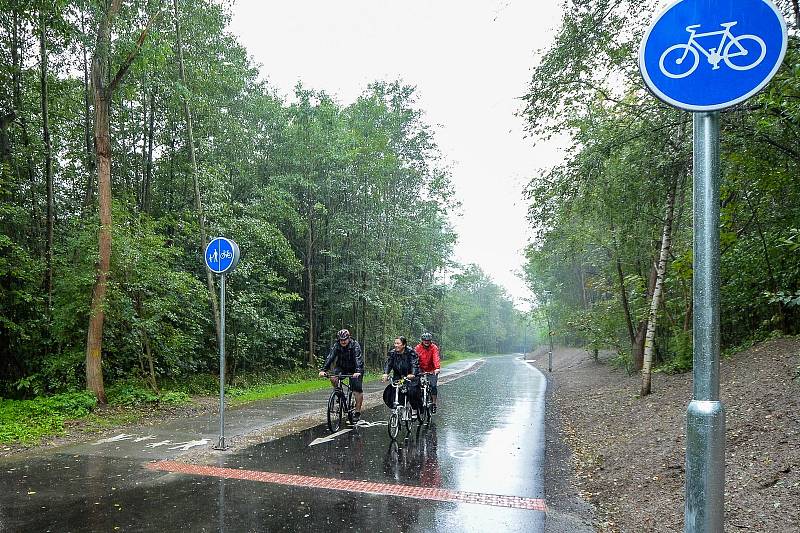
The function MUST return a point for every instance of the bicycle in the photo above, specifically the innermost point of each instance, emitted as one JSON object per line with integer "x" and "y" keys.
{"x": 401, "y": 412}
{"x": 340, "y": 402}
{"x": 713, "y": 55}
{"x": 426, "y": 414}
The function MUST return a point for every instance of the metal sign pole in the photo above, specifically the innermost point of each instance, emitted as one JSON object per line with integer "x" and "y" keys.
{"x": 221, "y": 256}
{"x": 550, "y": 353}
{"x": 221, "y": 443}
{"x": 705, "y": 422}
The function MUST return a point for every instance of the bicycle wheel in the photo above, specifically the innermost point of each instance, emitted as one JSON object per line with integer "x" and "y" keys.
{"x": 672, "y": 64}
{"x": 351, "y": 406}
{"x": 407, "y": 419}
{"x": 749, "y": 47}
{"x": 335, "y": 412}
{"x": 425, "y": 416}
{"x": 394, "y": 425}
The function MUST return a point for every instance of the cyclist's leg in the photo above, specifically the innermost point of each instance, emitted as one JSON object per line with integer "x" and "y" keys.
{"x": 433, "y": 379}
{"x": 356, "y": 385}
{"x": 334, "y": 379}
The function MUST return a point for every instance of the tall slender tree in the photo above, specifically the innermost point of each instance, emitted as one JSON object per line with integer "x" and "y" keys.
{"x": 103, "y": 91}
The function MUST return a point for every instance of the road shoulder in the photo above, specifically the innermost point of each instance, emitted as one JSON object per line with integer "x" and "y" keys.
{"x": 566, "y": 510}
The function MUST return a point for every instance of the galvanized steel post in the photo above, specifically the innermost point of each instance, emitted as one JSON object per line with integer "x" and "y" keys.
{"x": 705, "y": 423}
{"x": 221, "y": 442}
{"x": 550, "y": 353}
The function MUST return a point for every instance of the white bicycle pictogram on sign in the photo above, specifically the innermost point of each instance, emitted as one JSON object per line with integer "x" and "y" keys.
{"x": 731, "y": 46}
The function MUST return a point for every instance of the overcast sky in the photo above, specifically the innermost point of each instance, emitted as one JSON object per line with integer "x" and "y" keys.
{"x": 470, "y": 62}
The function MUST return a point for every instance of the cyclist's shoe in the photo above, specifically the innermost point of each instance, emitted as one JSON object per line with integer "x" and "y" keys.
{"x": 356, "y": 417}
{"x": 433, "y": 409}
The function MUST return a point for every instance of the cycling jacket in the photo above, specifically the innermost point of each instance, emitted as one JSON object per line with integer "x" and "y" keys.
{"x": 402, "y": 364}
{"x": 349, "y": 359}
{"x": 428, "y": 357}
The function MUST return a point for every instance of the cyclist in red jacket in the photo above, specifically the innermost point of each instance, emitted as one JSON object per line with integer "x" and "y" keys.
{"x": 429, "y": 362}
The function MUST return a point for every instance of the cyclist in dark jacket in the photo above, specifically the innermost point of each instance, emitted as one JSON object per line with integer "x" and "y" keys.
{"x": 349, "y": 360}
{"x": 402, "y": 361}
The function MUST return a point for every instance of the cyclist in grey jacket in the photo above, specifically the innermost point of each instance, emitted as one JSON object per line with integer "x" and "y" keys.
{"x": 349, "y": 360}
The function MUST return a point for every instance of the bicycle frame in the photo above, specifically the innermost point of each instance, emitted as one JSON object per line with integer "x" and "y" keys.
{"x": 400, "y": 411}
{"x": 714, "y": 56}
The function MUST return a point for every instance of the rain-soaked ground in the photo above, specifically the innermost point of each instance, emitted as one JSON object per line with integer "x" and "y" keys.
{"x": 487, "y": 439}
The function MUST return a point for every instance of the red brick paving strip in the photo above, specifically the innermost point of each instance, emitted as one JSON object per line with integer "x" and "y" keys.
{"x": 386, "y": 489}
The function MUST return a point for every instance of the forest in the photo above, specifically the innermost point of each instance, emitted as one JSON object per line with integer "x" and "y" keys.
{"x": 134, "y": 132}
{"x": 611, "y": 257}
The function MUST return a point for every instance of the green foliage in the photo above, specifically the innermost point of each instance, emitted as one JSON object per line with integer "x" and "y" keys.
{"x": 622, "y": 360}
{"x": 598, "y": 216}
{"x": 131, "y": 393}
{"x": 264, "y": 392}
{"x": 681, "y": 353}
{"x": 174, "y": 398}
{"x": 27, "y": 421}
{"x": 452, "y": 356}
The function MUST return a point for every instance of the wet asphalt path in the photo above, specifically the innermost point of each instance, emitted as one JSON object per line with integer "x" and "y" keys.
{"x": 485, "y": 439}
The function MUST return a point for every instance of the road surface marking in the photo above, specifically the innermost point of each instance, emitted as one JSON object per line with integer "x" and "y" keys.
{"x": 465, "y": 454}
{"x": 157, "y": 444}
{"x": 329, "y": 438}
{"x": 120, "y": 437}
{"x": 190, "y": 444}
{"x": 346, "y": 485}
{"x": 364, "y": 424}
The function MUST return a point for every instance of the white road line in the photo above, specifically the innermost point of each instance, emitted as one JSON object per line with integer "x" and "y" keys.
{"x": 330, "y": 437}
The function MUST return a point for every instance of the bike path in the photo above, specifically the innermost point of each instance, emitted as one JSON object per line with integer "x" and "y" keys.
{"x": 474, "y": 469}
{"x": 245, "y": 424}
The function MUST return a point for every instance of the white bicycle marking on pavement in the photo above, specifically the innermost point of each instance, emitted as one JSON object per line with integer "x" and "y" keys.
{"x": 465, "y": 454}
{"x": 140, "y": 439}
{"x": 118, "y": 438}
{"x": 157, "y": 444}
{"x": 190, "y": 444}
{"x": 365, "y": 424}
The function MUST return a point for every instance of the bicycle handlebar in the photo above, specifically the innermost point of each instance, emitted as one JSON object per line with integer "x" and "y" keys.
{"x": 397, "y": 382}
{"x": 330, "y": 375}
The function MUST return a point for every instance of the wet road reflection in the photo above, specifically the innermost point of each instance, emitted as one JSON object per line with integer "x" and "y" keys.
{"x": 486, "y": 438}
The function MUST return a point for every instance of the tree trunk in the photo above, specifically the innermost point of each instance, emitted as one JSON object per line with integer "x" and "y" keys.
{"x": 94, "y": 337}
{"x": 48, "y": 162}
{"x": 310, "y": 289}
{"x": 641, "y": 329}
{"x": 197, "y": 199}
{"x": 91, "y": 161}
{"x": 796, "y": 9}
{"x": 16, "y": 62}
{"x": 148, "y": 177}
{"x": 773, "y": 283}
{"x": 5, "y": 148}
{"x": 623, "y": 292}
{"x": 103, "y": 92}
{"x": 661, "y": 268}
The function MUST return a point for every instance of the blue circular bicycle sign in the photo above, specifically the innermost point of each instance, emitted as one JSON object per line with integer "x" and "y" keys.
{"x": 222, "y": 255}
{"x": 705, "y": 55}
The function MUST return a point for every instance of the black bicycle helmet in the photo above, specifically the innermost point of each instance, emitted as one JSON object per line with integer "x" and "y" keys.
{"x": 343, "y": 335}
{"x": 426, "y": 337}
